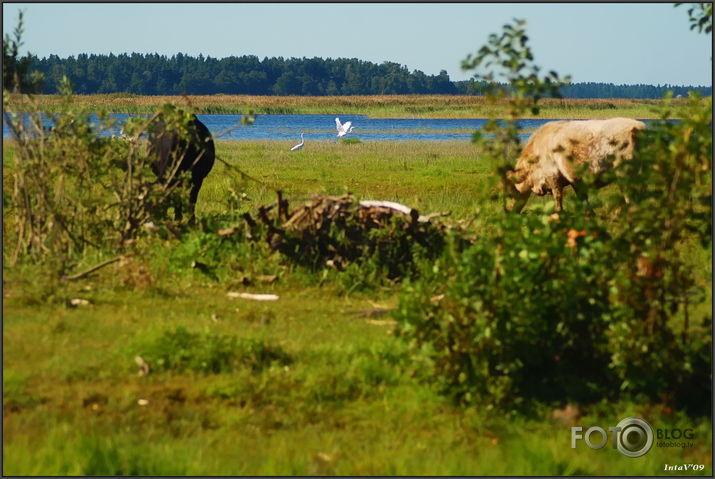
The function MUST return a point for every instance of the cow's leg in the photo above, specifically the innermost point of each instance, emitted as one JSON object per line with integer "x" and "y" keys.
{"x": 626, "y": 199}
{"x": 519, "y": 194}
{"x": 173, "y": 187}
{"x": 180, "y": 198}
{"x": 557, "y": 191}
{"x": 518, "y": 201}
{"x": 178, "y": 213}
{"x": 193, "y": 197}
{"x": 556, "y": 185}
{"x": 581, "y": 191}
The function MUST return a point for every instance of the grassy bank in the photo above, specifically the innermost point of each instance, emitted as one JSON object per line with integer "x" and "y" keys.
{"x": 377, "y": 106}
{"x": 322, "y": 389}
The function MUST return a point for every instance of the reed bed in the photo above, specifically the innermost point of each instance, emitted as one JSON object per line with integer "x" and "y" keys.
{"x": 377, "y": 106}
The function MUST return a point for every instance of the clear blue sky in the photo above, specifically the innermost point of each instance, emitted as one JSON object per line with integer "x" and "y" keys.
{"x": 613, "y": 42}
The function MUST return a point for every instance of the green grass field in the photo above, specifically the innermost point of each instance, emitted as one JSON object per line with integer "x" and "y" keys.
{"x": 342, "y": 399}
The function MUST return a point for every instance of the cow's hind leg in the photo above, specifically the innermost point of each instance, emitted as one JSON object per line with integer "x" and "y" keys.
{"x": 518, "y": 201}
{"x": 581, "y": 191}
{"x": 178, "y": 201}
{"x": 178, "y": 210}
{"x": 174, "y": 199}
{"x": 557, "y": 191}
{"x": 193, "y": 197}
{"x": 557, "y": 188}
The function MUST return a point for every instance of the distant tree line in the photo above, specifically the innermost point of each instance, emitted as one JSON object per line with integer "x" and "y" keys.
{"x": 599, "y": 90}
{"x": 609, "y": 90}
{"x": 154, "y": 74}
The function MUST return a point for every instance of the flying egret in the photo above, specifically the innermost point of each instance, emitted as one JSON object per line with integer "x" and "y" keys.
{"x": 343, "y": 129}
{"x": 299, "y": 145}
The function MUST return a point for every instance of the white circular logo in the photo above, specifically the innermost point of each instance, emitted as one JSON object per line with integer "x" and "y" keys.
{"x": 635, "y": 437}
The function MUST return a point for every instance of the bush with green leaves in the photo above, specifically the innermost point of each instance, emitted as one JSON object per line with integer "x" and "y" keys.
{"x": 520, "y": 314}
{"x": 74, "y": 189}
{"x": 181, "y": 350}
{"x": 659, "y": 349}
{"x": 77, "y": 188}
{"x": 583, "y": 305}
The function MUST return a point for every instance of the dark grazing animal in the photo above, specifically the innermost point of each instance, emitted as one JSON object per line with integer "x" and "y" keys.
{"x": 177, "y": 154}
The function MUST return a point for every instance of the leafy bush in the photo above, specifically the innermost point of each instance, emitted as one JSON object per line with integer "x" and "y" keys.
{"x": 576, "y": 306}
{"x": 658, "y": 349}
{"x": 521, "y": 314}
{"x": 211, "y": 353}
{"x": 72, "y": 189}
{"x": 76, "y": 188}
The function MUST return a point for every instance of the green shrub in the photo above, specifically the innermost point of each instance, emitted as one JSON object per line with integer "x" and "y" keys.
{"x": 577, "y": 306}
{"x": 518, "y": 315}
{"x": 659, "y": 349}
{"x": 76, "y": 189}
{"x": 211, "y": 353}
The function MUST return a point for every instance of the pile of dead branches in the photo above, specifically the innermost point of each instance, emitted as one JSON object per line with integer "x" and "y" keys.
{"x": 339, "y": 230}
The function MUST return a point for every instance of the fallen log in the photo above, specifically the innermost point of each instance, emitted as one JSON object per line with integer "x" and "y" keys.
{"x": 94, "y": 268}
{"x": 393, "y": 205}
{"x": 371, "y": 313}
{"x": 254, "y": 297}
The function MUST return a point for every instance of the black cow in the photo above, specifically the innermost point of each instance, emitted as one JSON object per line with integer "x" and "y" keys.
{"x": 192, "y": 151}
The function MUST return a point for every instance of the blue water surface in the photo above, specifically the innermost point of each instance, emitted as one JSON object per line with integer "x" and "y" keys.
{"x": 322, "y": 127}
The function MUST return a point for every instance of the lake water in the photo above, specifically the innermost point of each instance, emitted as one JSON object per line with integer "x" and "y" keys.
{"x": 322, "y": 128}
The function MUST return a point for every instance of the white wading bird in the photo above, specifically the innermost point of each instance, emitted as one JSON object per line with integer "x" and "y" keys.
{"x": 343, "y": 129}
{"x": 299, "y": 145}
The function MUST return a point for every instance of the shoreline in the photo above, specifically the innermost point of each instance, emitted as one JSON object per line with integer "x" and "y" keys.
{"x": 372, "y": 106}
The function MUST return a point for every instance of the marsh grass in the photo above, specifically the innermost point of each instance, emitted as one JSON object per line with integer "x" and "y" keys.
{"x": 429, "y": 176}
{"x": 334, "y": 394}
{"x": 343, "y": 406}
{"x": 377, "y": 106}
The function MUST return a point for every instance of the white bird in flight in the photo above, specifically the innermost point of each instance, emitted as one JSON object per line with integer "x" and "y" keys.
{"x": 299, "y": 145}
{"x": 343, "y": 129}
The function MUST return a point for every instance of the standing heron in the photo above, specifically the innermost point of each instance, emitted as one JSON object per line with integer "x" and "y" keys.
{"x": 343, "y": 129}
{"x": 299, "y": 145}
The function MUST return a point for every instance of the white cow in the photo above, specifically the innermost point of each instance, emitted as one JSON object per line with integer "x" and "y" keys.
{"x": 555, "y": 153}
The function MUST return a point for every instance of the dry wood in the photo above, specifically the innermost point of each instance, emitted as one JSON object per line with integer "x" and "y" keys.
{"x": 254, "y": 297}
{"x": 95, "y": 268}
{"x": 382, "y": 322}
{"x": 227, "y": 231}
{"x": 76, "y": 302}
{"x": 311, "y": 232}
{"x": 144, "y": 368}
{"x": 247, "y": 217}
{"x": 371, "y": 313}
{"x": 387, "y": 204}
{"x": 431, "y": 216}
{"x": 393, "y": 205}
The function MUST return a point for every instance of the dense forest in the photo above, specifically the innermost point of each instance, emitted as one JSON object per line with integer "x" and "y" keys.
{"x": 155, "y": 74}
